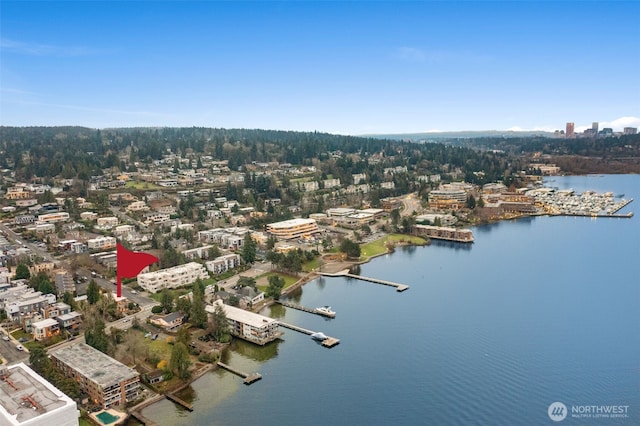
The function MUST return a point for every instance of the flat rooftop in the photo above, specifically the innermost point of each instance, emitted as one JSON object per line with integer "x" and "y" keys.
{"x": 20, "y": 389}
{"x": 93, "y": 364}
{"x": 240, "y": 315}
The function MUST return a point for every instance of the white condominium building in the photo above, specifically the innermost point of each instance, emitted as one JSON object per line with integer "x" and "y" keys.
{"x": 175, "y": 277}
{"x": 102, "y": 243}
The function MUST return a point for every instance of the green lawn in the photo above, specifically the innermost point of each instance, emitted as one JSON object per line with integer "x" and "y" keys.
{"x": 20, "y": 333}
{"x": 380, "y": 246}
{"x": 289, "y": 280}
{"x": 310, "y": 266}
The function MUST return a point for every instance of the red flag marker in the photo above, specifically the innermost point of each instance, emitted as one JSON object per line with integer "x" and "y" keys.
{"x": 130, "y": 263}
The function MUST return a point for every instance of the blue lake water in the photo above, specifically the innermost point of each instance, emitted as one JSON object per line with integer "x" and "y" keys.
{"x": 536, "y": 311}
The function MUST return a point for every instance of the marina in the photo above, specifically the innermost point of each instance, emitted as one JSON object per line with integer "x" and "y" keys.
{"x": 324, "y": 311}
{"x": 589, "y": 203}
{"x": 327, "y": 341}
{"x": 399, "y": 287}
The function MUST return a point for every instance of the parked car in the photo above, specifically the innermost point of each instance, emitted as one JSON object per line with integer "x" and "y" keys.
{"x": 5, "y": 337}
{"x": 20, "y": 347}
{"x": 134, "y": 292}
{"x": 22, "y": 339}
{"x": 147, "y": 335}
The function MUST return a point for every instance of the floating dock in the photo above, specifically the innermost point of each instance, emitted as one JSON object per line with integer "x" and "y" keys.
{"x": 305, "y": 309}
{"x": 329, "y": 342}
{"x": 399, "y": 287}
{"x": 248, "y": 378}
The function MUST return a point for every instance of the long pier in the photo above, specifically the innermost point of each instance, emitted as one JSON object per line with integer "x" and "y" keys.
{"x": 399, "y": 287}
{"x": 248, "y": 378}
{"x": 329, "y": 342}
{"x": 179, "y": 401}
{"x": 305, "y": 309}
{"x": 137, "y": 415}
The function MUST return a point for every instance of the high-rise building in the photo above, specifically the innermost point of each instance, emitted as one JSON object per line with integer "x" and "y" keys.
{"x": 569, "y": 132}
{"x": 594, "y": 127}
{"x": 630, "y": 130}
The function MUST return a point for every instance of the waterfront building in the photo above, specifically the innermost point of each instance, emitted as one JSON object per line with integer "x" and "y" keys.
{"x": 293, "y": 228}
{"x": 27, "y": 399}
{"x": 107, "y": 381}
{"x": 453, "y": 199}
{"x": 630, "y": 130}
{"x": 247, "y": 325}
{"x": 444, "y": 233}
{"x": 175, "y": 277}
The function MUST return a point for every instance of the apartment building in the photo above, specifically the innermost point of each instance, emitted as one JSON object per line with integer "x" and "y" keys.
{"x": 101, "y": 243}
{"x": 175, "y": 277}
{"x": 222, "y": 264}
{"x": 28, "y": 399}
{"x": 107, "y": 381}
{"x": 293, "y": 228}
{"x": 247, "y": 325}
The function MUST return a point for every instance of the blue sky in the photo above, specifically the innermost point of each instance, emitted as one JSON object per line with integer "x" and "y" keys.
{"x": 341, "y": 67}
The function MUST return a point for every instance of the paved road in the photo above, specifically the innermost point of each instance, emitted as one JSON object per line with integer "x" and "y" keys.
{"x": 410, "y": 203}
{"x": 19, "y": 240}
{"x": 9, "y": 352}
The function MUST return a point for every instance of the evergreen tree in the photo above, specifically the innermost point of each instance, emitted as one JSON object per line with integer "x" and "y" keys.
{"x": 276, "y": 284}
{"x": 219, "y": 325}
{"x": 22, "y": 272}
{"x": 93, "y": 292}
{"x": 198, "y": 315}
{"x": 249, "y": 248}
{"x": 166, "y": 300}
{"x": 180, "y": 361}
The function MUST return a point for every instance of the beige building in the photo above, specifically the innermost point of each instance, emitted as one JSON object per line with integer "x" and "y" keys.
{"x": 107, "y": 381}
{"x": 293, "y": 228}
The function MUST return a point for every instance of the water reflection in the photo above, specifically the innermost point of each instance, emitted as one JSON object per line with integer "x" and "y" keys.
{"x": 251, "y": 350}
{"x": 274, "y": 310}
{"x": 451, "y": 244}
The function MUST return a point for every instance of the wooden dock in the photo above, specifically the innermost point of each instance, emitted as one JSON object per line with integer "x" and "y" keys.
{"x": 305, "y": 309}
{"x": 248, "y": 378}
{"x": 137, "y": 415}
{"x": 179, "y": 401}
{"x": 329, "y": 342}
{"x": 399, "y": 287}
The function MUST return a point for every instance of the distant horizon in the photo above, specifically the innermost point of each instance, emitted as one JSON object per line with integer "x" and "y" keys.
{"x": 616, "y": 125}
{"x": 349, "y": 68}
